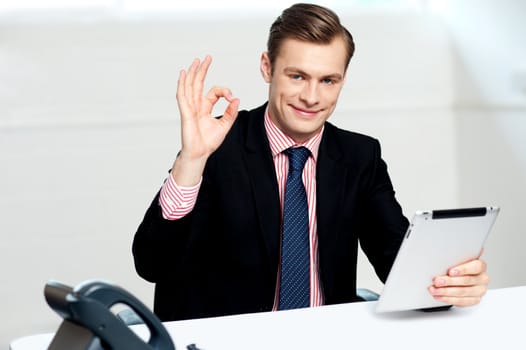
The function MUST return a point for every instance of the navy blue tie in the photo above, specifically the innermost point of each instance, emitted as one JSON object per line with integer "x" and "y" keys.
{"x": 294, "y": 289}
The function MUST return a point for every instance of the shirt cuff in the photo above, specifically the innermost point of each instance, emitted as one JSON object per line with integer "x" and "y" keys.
{"x": 177, "y": 201}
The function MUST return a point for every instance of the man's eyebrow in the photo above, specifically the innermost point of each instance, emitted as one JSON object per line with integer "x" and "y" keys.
{"x": 334, "y": 76}
{"x": 294, "y": 70}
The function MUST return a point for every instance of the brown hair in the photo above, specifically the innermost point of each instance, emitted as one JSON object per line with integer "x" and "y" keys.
{"x": 308, "y": 23}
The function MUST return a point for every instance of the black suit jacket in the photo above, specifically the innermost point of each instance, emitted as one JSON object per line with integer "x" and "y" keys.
{"x": 223, "y": 257}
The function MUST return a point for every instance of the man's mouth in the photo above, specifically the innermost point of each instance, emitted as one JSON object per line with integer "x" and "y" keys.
{"x": 305, "y": 112}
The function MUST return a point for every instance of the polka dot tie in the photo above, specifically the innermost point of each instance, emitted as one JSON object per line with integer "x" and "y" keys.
{"x": 295, "y": 252}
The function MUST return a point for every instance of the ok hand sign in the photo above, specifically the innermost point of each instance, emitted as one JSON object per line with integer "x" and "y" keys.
{"x": 201, "y": 133}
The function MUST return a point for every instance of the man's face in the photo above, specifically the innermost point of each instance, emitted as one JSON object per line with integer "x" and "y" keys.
{"x": 304, "y": 86}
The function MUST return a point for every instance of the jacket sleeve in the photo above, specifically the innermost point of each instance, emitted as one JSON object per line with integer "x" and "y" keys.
{"x": 384, "y": 222}
{"x": 159, "y": 245}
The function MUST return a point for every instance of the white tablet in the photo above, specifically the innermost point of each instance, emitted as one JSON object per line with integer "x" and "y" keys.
{"x": 435, "y": 241}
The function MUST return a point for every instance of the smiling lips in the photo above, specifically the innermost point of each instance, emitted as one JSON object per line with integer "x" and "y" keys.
{"x": 305, "y": 112}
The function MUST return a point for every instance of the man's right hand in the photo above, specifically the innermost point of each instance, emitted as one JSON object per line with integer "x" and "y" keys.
{"x": 201, "y": 133}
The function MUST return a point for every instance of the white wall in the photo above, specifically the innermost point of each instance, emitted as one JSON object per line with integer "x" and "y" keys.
{"x": 89, "y": 127}
{"x": 487, "y": 38}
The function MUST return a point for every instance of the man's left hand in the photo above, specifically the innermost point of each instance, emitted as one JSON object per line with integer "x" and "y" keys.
{"x": 464, "y": 285}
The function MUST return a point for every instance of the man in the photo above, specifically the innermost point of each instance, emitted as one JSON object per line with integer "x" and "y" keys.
{"x": 215, "y": 238}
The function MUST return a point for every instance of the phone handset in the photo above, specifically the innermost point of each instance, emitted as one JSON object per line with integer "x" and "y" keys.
{"x": 89, "y": 324}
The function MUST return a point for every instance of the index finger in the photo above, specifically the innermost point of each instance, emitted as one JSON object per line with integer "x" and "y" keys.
{"x": 218, "y": 92}
{"x": 473, "y": 267}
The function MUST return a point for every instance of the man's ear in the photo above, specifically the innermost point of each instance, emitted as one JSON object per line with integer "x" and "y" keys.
{"x": 265, "y": 68}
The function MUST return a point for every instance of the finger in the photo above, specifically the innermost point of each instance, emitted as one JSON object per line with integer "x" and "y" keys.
{"x": 468, "y": 280}
{"x": 230, "y": 114}
{"x": 217, "y": 92}
{"x": 189, "y": 83}
{"x": 472, "y": 291}
{"x": 460, "y": 302}
{"x": 201, "y": 72}
{"x": 473, "y": 267}
{"x": 181, "y": 84}
{"x": 181, "y": 94}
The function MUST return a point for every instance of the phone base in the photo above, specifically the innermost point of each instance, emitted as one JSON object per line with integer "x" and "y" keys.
{"x": 74, "y": 337}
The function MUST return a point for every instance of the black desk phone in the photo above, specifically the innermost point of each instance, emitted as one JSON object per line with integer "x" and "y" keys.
{"x": 90, "y": 324}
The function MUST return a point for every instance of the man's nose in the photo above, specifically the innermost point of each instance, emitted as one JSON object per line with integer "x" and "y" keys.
{"x": 309, "y": 94}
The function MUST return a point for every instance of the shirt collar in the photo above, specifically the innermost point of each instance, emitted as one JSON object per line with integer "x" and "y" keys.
{"x": 279, "y": 141}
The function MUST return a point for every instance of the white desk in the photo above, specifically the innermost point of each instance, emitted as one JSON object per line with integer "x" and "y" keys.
{"x": 498, "y": 322}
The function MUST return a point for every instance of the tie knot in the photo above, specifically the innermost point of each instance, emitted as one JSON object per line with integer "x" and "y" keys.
{"x": 297, "y": 157}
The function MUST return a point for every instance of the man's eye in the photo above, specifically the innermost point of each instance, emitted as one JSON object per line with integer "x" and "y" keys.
{"x": 328, "y": 81}
{"x": 296, "y": 77}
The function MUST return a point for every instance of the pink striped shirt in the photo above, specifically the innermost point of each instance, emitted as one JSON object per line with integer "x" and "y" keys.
{"x": 177, "y": 201}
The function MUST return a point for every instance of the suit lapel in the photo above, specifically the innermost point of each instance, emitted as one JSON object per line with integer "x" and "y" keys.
{"x": 260, "y": 167}
{"x": 330, "y": 183}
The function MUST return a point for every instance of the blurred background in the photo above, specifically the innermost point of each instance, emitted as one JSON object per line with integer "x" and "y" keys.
{"x": 89, "y": 124}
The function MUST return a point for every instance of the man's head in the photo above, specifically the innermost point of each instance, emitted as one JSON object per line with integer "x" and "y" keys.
{"x": 305, "y": 67}
{"x": 308, "y": 23}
